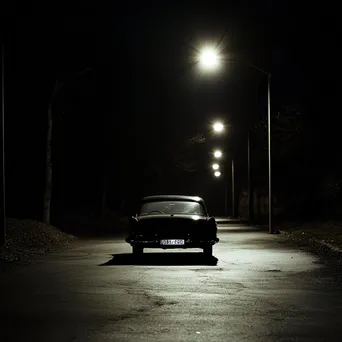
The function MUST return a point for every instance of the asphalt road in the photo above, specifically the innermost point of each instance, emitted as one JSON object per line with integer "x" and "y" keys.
{"x": 259, "y": 287}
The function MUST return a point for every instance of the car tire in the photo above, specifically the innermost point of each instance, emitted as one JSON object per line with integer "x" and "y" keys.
{"x": 137, "y": 250}
{"x": 208, "y": 251}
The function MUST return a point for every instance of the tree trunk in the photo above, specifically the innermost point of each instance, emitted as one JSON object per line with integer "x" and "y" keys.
{"x": 48, "y": 165}
{"x": 48, "y": 169}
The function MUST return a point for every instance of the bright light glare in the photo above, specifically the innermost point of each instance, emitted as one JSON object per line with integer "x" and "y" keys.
{"x": 218, "y": 127}
{"x": 217, "y": 154}
{"x": 216, "y": 166}
{"x": 217, "y": 173}
{"x": 209, "y": 59}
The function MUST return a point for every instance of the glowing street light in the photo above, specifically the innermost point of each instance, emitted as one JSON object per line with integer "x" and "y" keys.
{"x": 217, "y": 154}
{"x": 209, "y": 59}
{"x": 217, "y": 173}
{"x": 218, "y": 127}
{"x": 216, "y": 166}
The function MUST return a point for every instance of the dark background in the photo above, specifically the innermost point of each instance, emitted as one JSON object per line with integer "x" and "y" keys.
{"x": 123, "y": 125}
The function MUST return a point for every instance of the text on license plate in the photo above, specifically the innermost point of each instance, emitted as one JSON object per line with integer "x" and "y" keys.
{"x": 173, "y": 242}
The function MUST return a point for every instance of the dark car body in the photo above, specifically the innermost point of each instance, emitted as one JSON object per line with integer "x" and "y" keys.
{"x": 172, "y": 221}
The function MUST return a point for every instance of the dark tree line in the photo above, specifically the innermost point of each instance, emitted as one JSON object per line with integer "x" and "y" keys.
{"x": 304, "y": 182}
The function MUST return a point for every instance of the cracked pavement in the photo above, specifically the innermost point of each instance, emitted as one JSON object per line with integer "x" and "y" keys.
{"x": 257, "y": 287}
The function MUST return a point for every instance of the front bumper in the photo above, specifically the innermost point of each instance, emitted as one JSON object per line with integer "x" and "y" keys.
{"x": 155, "y": 243}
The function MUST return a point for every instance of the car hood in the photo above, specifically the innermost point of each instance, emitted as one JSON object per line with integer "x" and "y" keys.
{"x": 179, "y": 217}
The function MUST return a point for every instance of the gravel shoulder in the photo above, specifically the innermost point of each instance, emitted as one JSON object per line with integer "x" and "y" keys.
{"x": 321, "y": 237}
{"x": 28, "y": 239}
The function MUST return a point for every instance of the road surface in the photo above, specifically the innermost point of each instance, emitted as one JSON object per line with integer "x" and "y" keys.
{"x": 259, "y": 287}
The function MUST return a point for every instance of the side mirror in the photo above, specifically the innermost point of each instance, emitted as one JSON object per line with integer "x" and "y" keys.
{"x": 211, "y": 220}
{"x": 133, "y": 220}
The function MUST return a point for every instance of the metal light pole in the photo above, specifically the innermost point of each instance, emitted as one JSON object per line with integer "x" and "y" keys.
{"x": 250, "y": 187}
{"x": 226, "y": 197}
{"x": 209, "y": 59}
{"x": 233, "y": 189}
{"x": 3, "y": 207}
{"x": 270, "y": 202}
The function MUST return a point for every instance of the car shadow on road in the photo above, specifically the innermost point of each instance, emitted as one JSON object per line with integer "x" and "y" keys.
{"x": 162, "y": 259}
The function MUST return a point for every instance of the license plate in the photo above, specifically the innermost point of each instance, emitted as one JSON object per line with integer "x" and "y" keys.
{"x": 173, "y": 242}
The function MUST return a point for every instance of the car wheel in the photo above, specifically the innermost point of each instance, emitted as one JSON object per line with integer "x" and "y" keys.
{"x": 138, "y": 250}
{"x": 208, "y": 251}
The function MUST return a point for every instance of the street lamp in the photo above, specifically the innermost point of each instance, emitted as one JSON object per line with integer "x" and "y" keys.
{"x": 216, "y": 166}
{"x": 217, "y": 173}
{"x": 217, "y": 154}
{"x": 218, "y": 127}
{"x": 209, "y": 59}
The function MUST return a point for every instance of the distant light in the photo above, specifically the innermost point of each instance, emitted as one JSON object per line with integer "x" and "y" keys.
{"x": 209, "y": 59}
{"x": 218, "y": 127}
{"x": 216, "y": 166}
{"x": 217, "y": 154}
{"x": 195, "y": 217}
{"x": 217, "y": 173}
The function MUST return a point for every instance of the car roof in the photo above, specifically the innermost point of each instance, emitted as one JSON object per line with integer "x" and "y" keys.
{"x": 173, "y": 198}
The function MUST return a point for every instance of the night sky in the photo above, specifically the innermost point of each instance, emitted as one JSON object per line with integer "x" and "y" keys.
{"x": 131, "y": 114}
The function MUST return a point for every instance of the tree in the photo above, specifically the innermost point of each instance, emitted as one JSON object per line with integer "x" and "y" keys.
{"x": 187, "y": 158}
{"x": 286, "y": 126}
{"x": 294, "y": 159}
{"x": 59, "y": 84}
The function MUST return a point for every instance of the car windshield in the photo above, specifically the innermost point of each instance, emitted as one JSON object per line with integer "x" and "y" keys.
{"x": 172, "y": 207}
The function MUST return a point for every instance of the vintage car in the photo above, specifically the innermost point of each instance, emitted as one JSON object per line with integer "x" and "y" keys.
{"x": 172, "y": 221}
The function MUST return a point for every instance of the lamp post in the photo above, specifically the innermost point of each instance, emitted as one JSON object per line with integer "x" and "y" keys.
{"x": 216, "y": 166}
{"x": 233, "y": 189}
{"x": 3, "y": 206}
{"x": 270, "y": 200}
{"x": 270, "y": 204}
{"x": 217, "y": 154}
{"x": 209, "y": 59}
{"x": 217, "y": 173}
{"x": 250, "y": 186}
{"x": 219, "y": 128}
